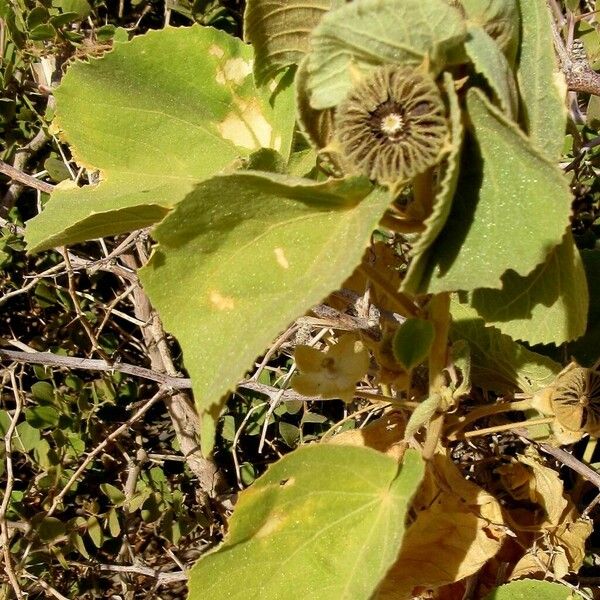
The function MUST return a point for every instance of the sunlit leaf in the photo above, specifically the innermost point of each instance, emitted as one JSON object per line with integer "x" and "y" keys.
{"x": 527, "y": 589}
{"x": 375, "y": 32}
{"x": 501, "y": 217}
{"x": 324, "y": 522}
{"x": 541, "y": 83}
{"x": 497, "y": 362}
{"x": 492, "y": 64}
{"x": 550, "y": 305}
{"x": 434, "y": 224}
{"x": 156, "y": 116}
{"x": 242, "y": 256}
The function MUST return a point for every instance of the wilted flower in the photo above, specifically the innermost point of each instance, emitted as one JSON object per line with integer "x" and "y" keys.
{"x": 331, "y": 374}
{"x": 574, "y": 399}
{"x": 392, "y": 126}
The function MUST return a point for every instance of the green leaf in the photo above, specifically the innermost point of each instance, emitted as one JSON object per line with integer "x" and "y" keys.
{"x": 550, "y": 305}
{"x": 501, "y": 21}
{"x": 50, "y": 528}
{"x": 265, "y": 249}
{"x": 501, "y": 217}
{"x": 325, "y": 521}
{"x": 42, "y": 32}
{"x": 434, "y": 224}
{"x": 369, "y": 33}
{"x": 497, "y": 362}
{"x": 27, "y": 437}
{"x": 157, "y": 115}
{"x": 81, "y": 7}
{"x": 115, "y": 495}
{"x": 279, "y": 31}
{"x": 528, "y": 589}
{"x": 541, "y": 83}
{"x": 585, "y": 349}
{"x": 412, "y": 342}
{"x": 492, "y": 64}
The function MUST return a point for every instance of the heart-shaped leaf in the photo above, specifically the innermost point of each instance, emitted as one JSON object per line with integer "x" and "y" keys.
{"x": 245, "y": 254}
{"x": 324, "y": 522}
{"x": 156, "y": 116}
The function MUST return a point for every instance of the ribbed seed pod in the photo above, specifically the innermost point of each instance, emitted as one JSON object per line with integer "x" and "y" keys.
{"x": 575, "y": 399}
{"x": 392, "y": 126}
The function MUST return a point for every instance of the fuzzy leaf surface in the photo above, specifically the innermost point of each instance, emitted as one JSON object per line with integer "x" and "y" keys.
{"x": 497, "y": 362}
{"x": 245, "y": 254}
{"x": 325, "y": 521}
{"x": 156, "y": 116}
{"x": 550, "y": 305}
{"x": 500, "y": 217}
{"x": 541, "y": 83}
{"x": 434, "y": 224}
{"x": 493, "y": 65}
{"x": 279, "y": 31}
{"x": 374, "y": 32}
{"x": 526, "y": 589}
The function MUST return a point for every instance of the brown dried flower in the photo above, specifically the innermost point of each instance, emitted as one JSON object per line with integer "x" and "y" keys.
{"x": 392, "y": 126}
{"x": 574, "y": 399}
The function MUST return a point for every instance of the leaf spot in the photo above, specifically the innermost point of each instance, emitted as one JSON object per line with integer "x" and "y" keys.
{"x": 235, "y": 70}
{"x": 270, "y": 526}
{"x": 217, "y": 51}
{"x": 282, "y": 260}
{"x": 221, "y": 302}
{"x": 252, "y": 131}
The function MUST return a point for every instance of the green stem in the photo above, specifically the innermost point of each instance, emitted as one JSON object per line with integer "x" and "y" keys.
{"x": 439, "y": 315}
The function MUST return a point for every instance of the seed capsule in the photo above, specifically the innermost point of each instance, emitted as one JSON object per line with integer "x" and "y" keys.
{"x": 392, "y": 126}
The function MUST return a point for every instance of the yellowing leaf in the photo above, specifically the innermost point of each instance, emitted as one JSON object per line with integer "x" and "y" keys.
{"x": 458, "y": 528}
{"x": 331, "y": 374}
{"x": 323, "y": 522}
{"x": 156, "y": 116}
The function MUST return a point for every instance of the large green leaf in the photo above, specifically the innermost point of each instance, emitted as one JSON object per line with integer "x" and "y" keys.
{"x": 245, "y": 254}
{"x": 279, "y": 31}
{"x": 541, "y": 82}
{"x": 434, "y": 224}
{"x": 324, "y": 522}
{"x": 368, "y": 33}
{"x": 156, "y": 116}
{"x": 550, "y": 305}
{"x": 587, "y": 348}
{"x": 528, "y": 589}
{"x": 511, "y": 207}
{"x": 493, "y": 65}
{"x": 497, "y": 362}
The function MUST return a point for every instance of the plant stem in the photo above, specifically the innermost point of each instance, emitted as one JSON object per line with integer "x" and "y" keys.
{"x": 402, "y": 303}
{"x": 459, "y": 423}
{"x": 439, "y": 315}
{"x": 507, "y": 427}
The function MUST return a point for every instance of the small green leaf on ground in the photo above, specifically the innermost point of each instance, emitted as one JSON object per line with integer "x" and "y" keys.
{"x": 323, "y": 522}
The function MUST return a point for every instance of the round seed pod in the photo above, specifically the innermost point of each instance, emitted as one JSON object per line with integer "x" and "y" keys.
{"x": 575, "y": 399}
{"x": 392, "y": 126}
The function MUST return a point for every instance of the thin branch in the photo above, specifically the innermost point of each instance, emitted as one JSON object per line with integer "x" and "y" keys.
{"x": 8, "y": 568}
{"x": 28, "y": 180}
{"x": 162, "y": 392}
